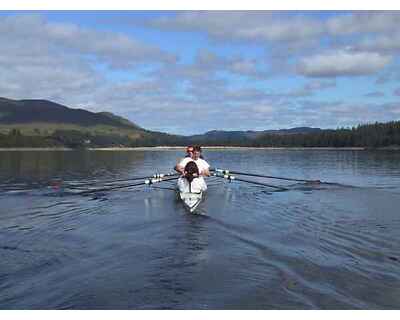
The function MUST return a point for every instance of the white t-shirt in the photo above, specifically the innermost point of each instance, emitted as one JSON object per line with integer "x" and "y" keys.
{"x": 201, "y": 163}
{"x": 198, "y": 185}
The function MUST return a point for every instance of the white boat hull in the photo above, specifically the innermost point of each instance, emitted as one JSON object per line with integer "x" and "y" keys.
{"x": 191, "y": 200}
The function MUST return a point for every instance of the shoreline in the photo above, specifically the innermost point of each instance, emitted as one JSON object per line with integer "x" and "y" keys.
{"x": 173, "y": 148}
{"x": 166, "y": 148}
{"x": 37, "y": 149}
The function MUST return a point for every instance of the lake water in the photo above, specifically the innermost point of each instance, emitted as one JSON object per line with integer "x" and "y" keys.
{"x": 327, "y": 246}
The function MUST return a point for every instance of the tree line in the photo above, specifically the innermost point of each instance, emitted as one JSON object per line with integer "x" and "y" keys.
{"x": 375, "y": 135}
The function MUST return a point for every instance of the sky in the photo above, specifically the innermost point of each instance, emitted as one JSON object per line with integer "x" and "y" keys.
{"x": 188, "y": 72}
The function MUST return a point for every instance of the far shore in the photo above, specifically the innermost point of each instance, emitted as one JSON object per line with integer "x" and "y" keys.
{"x": 166, "y": 148}
{"x": 37, "y": 149}
{"x": 172, "y": 148}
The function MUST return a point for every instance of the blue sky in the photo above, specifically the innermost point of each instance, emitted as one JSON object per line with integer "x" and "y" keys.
{"x": 188, "y": 72}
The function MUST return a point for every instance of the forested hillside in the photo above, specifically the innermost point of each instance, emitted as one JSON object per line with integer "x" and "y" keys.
{"x": 41, "y": 123}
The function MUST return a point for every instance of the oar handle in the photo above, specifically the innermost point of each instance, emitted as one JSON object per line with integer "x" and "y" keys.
{"x": 106, "y": 182}
{"x": 148, "y": 181}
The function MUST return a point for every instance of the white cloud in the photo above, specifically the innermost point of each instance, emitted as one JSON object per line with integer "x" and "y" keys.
{"x": 328, "y": 114}
{"x": 33, "y": 32}
{"x": 57, "y": 77}
{"x": 262, "y": 109}
{"x": 243, "y": 25}
{"x": 244, "y": 67}
{"x": 289, "y": 31}
{"x": 342, "y": 63}
{"x": 381, "y": 43}
{"x": 293, "y": 37}
{"x": 309, "y": 89}
{"x": 58, "y": 61}
{"x": 364, "y": 22}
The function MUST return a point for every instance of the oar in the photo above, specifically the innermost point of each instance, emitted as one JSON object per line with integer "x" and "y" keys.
{"x": 157, "y": 175}
{"x": 231, "y": 178}
{"x": 262, "y": 176}
{"x": 148, "y": 181}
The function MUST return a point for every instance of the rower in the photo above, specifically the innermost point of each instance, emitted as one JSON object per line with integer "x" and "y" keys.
{"x": 203, "y": 165}
{"x": 181, "y": 164}
{"x": 195, "y": 156}
{"x": 191, "y": 181}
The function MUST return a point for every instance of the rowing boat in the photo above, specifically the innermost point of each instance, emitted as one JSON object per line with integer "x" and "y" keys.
{"x": 191, "y": 200}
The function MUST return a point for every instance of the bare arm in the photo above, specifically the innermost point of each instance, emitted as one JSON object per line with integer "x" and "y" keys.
{"x": 206, "y": 172}
{"x": 179, "y": 169}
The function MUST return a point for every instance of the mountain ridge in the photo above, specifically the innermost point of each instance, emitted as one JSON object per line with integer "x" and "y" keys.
{"x": 42, "y": 123}
{"x": 44, "y": 111}
{"x": 40, "y": 111}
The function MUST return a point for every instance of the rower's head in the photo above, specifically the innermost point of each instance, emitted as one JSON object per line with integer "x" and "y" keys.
{"x": 196, "y": 152}
{"x": 191, "y": 171}
{"x": 189, "y": 151}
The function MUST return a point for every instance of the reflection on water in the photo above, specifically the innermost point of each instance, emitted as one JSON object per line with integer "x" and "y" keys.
{"x": 77, "y": 164}
{"x": 329, "y": 246}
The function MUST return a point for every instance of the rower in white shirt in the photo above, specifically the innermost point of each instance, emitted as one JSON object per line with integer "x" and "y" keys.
{"x": 189, "y": 154}
{"x": 191, "y": 181}
{"x": 195, "y": 156}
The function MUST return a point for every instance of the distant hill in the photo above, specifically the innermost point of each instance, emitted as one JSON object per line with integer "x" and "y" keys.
{"x": 297, "y": 130}
{"x": 120, "y": 120}
{"x": 44, "y": 111}
{"x": 43, "y": 123}
{"x": 242, "y": 136}
{"x": 43, "y": 117}
{"x": 48, "y": 123}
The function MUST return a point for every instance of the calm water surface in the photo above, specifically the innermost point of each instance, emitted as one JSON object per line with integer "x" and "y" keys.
{"x": 328, "y": 246}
